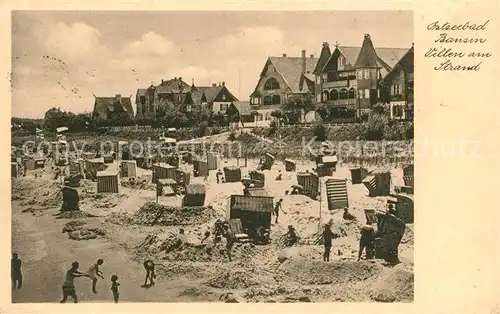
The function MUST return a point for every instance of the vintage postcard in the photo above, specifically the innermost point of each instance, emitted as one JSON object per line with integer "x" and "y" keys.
{"x": 260, "y": 154}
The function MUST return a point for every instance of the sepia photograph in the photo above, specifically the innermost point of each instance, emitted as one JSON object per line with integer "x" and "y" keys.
{"x": 212, "y": 156}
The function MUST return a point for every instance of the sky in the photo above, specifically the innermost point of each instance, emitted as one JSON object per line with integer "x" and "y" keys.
{"x": 63, "y": 58}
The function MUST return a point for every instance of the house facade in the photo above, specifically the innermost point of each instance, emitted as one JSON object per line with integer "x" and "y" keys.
{"x": 399, "y": 83}
{"x": 281, "y": 77}
{"x": 109, "y": 108}
{"x": 183, "y": 96}
{"x": 349, "y": 78}
{"x": 216, "y": 98}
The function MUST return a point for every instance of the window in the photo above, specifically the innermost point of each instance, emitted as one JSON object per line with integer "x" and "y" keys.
{"x": 334, "y": 95}
{"x": 318, "y": 79}
{"x": 224, "y": 97}
{"x": 352, "y": 94}
{"x": 326, "y": 95}
{"x": 223, "y": 107}
{"x": 343, "y": 93}
{"x": 359, "y": 74}
{"x": 267, "y": 100}
{"x": 188, "y": 108}
{"x": 341, "y": 62}
{"x": 367, "y": 74}
{"x": 271, "y": 84}
{"x": 276, "y": 100}
{"x": 378, "y": 93}
{"x": 396, "y": 89}
{"x": 367, "y": 93}
{"x": 361, "y": 94}
{"x": 397, "y": 111}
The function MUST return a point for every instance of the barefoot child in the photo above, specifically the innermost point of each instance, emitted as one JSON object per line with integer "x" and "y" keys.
{"x": 93, "y": 272}
{"x": 114, "y": 288}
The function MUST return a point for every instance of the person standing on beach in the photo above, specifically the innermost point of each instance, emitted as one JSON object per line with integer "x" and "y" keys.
{"x": 114, "y": 288}
{"x": 366, "y": 241}
{"x": 277, "y": 209}
{"x": 68, "y": 287}
{"x": 230, "y": 239}
{"x": 15, "y": 272}
{"x": 327, "y": 242}
{"x": 94, "y": 272}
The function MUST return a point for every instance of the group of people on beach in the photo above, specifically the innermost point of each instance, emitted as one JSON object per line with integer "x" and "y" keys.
{"x": 93, "y": 272}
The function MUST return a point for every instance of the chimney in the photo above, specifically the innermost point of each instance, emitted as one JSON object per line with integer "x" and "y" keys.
{"x": 284, "y": 55}
{"x": 311, "y": 56}
{"x": 175, "y": 78}
{"x": 303, "y": 61}
{"x": 180, "y": 78}
{"x": 161, "y": 81}
{"x": 118, "y": 97}
{"x": 223, "y": 83}
{"x": 214, "y": 84}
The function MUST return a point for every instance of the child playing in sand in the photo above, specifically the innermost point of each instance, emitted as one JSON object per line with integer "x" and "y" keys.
{"x": 114, "y": 287}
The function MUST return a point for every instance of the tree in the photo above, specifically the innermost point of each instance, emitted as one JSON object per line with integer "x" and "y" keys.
{"x": 323, "y": 111}
{"x": 55, "y": 118}
{"x": 295, "y": 105}
{"x": 375, "y": 126}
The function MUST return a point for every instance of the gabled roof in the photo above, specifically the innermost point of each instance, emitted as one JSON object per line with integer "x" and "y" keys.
{"x": 243, "y": 107}
{"x": 197, "y": 96}
{"x": 323, "y": 58}
{"x": 127, "y": 105}
{"x": 387, "y": 58}
{"x": 307, "y": 83}
{"x": 290, "y": 68}
{"x": 175, "y": 85}
{"x": 397, "y": 65}
{"x": 104, "y": 104}
{"x": 210, "y": 91}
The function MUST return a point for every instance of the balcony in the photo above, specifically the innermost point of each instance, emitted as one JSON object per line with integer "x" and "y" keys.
{"x": 335, "y": 84}
{"x": 341, "y": 102}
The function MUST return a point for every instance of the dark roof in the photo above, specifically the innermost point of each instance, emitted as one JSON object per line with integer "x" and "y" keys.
{"x": 103, "y": 105}
{"x": 387, "y": 58}
{"x": 175, "y": 85}
{"x": 290, "y": 68}
{"x": 367, "y": 57}
{"x": 307, "y": 82}
{"x": 197, "y": 95}
{"x": 323, "y": 58}
{"x": 243, "y": 107}
{"x": 408, "y": 52}
{"x": 141, "y": 92}
{"x": 210, "y": 91}
{"x": 127, "y": 104}
{"x": 252, "y": 203}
